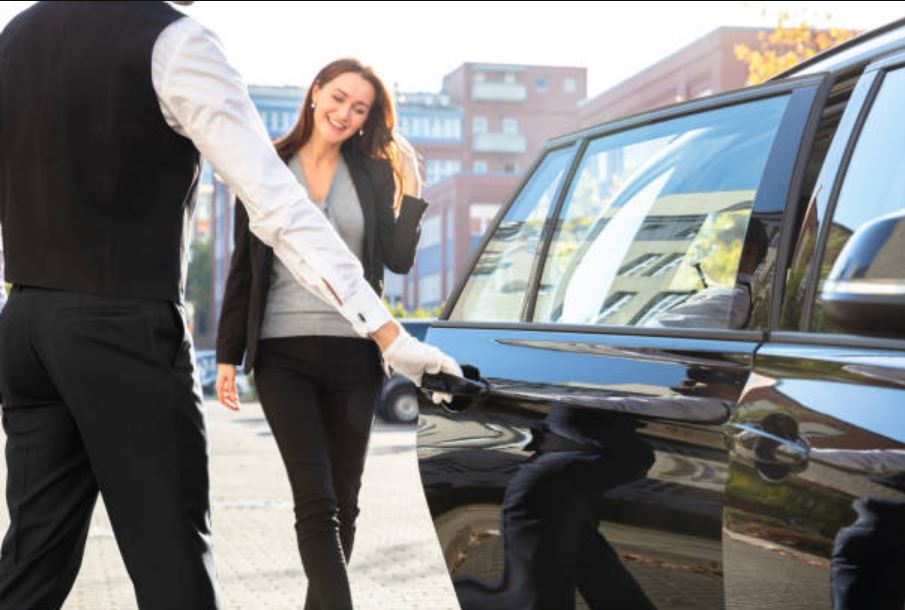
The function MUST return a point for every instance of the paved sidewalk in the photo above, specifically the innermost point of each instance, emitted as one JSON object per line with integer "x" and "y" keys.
{"x": 397, "y": 564}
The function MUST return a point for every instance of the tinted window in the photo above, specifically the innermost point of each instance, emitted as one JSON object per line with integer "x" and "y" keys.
{"x": 874, "y": 184}
{"x": 495, "y": 290}
{"x": 652, "y": 230}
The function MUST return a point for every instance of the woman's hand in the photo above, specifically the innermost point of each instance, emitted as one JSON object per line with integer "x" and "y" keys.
{"x": 227, "y": 393}
{"x": 408, "y": 166}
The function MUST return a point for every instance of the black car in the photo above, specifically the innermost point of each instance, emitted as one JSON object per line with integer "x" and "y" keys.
{"x": 691, "y": 324}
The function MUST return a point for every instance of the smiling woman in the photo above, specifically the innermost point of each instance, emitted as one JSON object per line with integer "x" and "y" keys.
{"x": 316, "y": 379}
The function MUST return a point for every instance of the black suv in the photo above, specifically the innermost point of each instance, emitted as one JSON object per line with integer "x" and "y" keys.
{"x": 691, "y": 323}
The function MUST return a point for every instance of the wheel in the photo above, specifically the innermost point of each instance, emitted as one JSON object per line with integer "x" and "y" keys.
{"x": 399, "y": 405}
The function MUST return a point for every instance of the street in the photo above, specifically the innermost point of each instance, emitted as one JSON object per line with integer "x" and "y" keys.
{"x": 396, "y": 564}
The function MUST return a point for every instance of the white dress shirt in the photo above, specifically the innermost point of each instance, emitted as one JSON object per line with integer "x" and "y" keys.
{"x": 204, "y": 98}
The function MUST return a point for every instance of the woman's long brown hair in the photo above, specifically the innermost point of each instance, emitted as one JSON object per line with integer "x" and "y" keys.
{"x": 377, "y": 142}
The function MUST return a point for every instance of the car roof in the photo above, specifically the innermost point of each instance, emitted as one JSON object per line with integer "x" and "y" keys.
{"x": 854, "y": 53}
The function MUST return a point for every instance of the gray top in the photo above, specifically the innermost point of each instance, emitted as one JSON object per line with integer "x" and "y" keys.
{"x": 294, "y": 311}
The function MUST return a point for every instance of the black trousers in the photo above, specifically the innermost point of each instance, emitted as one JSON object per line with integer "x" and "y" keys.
{"x": 319, "y": 394}
{"x": 869, "y": 558}
{"x": 99, "y": 395}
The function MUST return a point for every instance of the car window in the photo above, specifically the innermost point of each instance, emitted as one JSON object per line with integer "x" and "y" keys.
{"x": 495, "y": 290}
{"x": 652, "y": 229}
{"x": 873, "y": 187}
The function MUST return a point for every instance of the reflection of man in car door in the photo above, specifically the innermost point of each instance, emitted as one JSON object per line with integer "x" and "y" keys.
{"x": 721, "y": 306}
{"x": 868, "y": 555}
{"x": 550, "y": 524}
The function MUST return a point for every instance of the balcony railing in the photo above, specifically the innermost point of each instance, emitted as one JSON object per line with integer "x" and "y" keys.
{"x": 498, "y": 92}
{"x": 513, "y": 143}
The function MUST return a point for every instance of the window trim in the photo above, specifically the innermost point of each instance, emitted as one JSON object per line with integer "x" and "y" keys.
{"x": 459, "y": 286}
{"x": 680, "y": 109}
{"x": 873, "y": 77}
{"x": 818, "y": 199}
{"x": 835, "y": 340}
{"x": 790, "y": 212}
{"x": 805, "y": 95}
{"x": 546, "y": 236}
{"x": 718, "y": 334}
{"x": 580, "y": 141}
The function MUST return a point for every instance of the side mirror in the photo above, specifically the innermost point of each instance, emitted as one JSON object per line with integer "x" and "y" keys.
{"x": 865, "y": 290}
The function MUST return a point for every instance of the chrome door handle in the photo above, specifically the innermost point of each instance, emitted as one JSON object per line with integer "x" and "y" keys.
{"x": 773, "y": 455}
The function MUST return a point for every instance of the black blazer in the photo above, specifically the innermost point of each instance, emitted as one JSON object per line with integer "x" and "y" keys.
{"x": 389, "y": 241}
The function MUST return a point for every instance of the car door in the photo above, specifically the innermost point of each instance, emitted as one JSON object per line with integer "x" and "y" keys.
{"x": 815, "y": 500}
{"x": 614, "y": 310}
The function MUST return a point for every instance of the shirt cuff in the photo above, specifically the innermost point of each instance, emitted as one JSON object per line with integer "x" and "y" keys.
{"x": 365, "y": 310}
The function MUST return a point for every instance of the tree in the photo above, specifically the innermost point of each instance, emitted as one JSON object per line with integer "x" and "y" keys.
{"x": 198, "y": 285}
{"x": 786, "y": 46}
{"x": 398, "y": 310}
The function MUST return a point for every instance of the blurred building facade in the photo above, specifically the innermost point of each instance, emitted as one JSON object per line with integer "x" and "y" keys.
{"x": 477, "y": 137}
{"x": 704, "y": 67}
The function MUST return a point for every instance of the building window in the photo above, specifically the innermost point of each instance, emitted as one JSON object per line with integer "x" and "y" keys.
{"x": 438, "y": 169}
{"x": 570, "y": 85}
{"x": 434, "y": 171}
{"x": 480, "y": 217}
{"x": 449, "y": 255}
{"x": 480, "y": 77}
{"x": 510, "y": 127}
{"x": 509, "y": 78}
{"x": 452, "y": 129}
{"x": 614, "y": 304}
{"x": 540, "y": 85}
{"x": 479, "y": 125}
{"x": 430, "y": 232}
{"x": 510, "y": 168}
{"x": 479, "y": 167}
{"x": 429, "y": 290}
{"x": 450, "y": 282}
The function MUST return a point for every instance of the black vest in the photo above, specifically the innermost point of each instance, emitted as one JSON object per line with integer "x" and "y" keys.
{"x": 95, "y": 188}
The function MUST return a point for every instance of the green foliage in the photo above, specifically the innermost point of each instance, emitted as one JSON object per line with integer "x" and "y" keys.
{"x": 399, "y": 311}
{"x": 198, "y": 284}
{"x": 787, "y": 45}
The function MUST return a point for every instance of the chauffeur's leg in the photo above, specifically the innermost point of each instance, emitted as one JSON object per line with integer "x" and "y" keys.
{"x": 124, "y": 367}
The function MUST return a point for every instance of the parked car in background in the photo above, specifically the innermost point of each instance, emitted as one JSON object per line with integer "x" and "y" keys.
{"x": 692, "y": 326}
{"x": 398, "y": 402}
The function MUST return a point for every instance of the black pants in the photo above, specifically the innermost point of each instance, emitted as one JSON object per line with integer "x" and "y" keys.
{"x": 869, "y": 558}
{"x": 99, "y": 395}
{"x": 319, "y": 394}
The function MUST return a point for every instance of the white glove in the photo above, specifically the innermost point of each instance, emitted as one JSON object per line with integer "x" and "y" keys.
{"x": 408, "y": 356}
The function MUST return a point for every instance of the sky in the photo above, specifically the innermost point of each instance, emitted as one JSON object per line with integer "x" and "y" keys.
{"x": 412, "y": 45}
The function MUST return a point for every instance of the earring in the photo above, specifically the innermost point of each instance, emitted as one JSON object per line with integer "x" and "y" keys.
{"x": 361, "y": 132}
{"x": 313, "y": 104}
